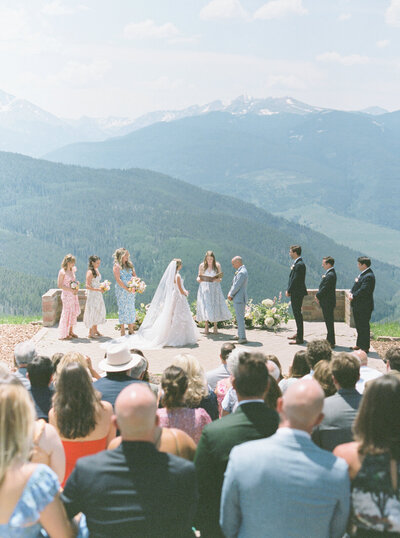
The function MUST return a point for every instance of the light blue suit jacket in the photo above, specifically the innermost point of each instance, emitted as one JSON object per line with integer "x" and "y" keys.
{"x": 238, "y": 289}
{"x": 284, "y": 486}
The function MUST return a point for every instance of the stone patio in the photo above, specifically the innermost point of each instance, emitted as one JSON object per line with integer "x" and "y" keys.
{"x": 207, "y": 350}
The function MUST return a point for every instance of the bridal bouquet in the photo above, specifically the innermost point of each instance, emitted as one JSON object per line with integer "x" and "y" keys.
{"x": 136, "y": 284}
{"x": 105, "y": 286}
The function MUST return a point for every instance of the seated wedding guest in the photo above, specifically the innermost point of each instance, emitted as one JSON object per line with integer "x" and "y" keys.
{"x": 299, "y": 368}
{"x": 24, "y": 353}
{"x": 273, "y": 394}
{"x": 366, "y": 372}
{"x": 71, "y": 358}
{"x": 46, "y": 444}
{"x": 175, "y": 413}
{"x": 340, "y": 410}
{"x": 29, "y": 500}
{"x": 285, "y": 485}
{"x": 213, "y": 376}
{"x": 117, "y": 365}
{"x": 317, "y": 350}
{"x": 251, "y": 420}
{"x": 392, "y": 359}
{"x": 55, "y": 359}
{"x": 323, "y": 374}
{"x": 275, "y": 360}
{"x": 143, "y": 374}
{"x": 374, "y": 460}
{"x": 40, "y": 372}
{"x": 134, "y": 490}
{"x": 81, "y": 418}
{"x": 198, "y": 393}
{"x": 224, "y": 385}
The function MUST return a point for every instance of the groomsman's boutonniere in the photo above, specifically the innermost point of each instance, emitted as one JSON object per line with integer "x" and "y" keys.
{"x": 292, "y": 267}
{"x": 356, "y": 279}
{"x": 323, "y": 276}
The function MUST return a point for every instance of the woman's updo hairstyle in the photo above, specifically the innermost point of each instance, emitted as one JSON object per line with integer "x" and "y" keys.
{"x": 178, "y": 263}
{"x": 174, "y": 383}
{"x": 92, "y": 261}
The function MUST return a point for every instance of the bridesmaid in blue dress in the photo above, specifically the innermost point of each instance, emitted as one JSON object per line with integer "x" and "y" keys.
{"x": 123, "y": 272}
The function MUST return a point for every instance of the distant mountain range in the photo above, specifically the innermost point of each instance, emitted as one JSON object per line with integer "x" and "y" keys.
{"x": 28, "y": 129}
{"x": 48, "y": 210}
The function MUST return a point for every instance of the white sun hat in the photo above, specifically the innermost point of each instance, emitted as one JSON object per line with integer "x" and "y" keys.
{"x": 119, "y": 359}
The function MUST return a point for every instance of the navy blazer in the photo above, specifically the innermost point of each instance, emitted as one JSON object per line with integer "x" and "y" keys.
{"x": 363, "y": 291}
{"x": 297, "y": 279}
{"x": 326, "y": 293}
{"x": 134, "y": 490}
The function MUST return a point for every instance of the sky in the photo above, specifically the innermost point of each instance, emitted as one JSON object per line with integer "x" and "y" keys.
{"x": 129, "y": 57}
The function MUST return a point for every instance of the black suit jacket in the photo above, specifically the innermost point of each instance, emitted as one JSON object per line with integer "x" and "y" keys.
{"x": 297, "y": 279}
{"x": 133, "y": 490}
{"x": 326, "y": 293}
{"x": 252, "y": 420}
{"x": 363, "y": 292}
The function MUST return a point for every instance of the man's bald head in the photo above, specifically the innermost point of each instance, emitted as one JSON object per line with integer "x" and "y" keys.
{"x": 237, "y": 262}
{"x": 135, "y": 410}
{"x": 361, "y": 356}
{"x": 301, "y": 405}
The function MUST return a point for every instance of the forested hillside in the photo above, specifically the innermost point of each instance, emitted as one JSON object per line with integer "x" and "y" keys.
{"x": 48, "y": 210}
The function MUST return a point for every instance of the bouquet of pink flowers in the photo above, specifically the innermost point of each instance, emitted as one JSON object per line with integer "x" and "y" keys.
{"x": 74, "y": 285}
{"x": 136, "y": 284}
{"x": 105, "y": 286}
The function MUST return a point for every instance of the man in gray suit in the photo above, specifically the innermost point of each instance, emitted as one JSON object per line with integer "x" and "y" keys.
{"x": 285, "y": 485}
{"x": 238, "y": 294}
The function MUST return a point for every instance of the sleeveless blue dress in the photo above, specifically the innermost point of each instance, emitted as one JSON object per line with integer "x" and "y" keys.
{"x": 125, "y": 299}
{"x": 40, "y": 490}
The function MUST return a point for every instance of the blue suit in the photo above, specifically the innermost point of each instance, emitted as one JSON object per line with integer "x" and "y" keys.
{"x": 238, "y": 292}
{"x": 284, "y": 486}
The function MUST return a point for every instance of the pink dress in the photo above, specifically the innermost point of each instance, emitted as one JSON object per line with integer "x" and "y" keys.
{"x": 70, "y": 305}
{"x": 221, "y": 389}
{"x": 191, "y": 421}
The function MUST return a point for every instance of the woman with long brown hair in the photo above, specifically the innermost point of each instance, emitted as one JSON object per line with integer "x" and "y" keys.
{"x": 95, "y": 309}
{"x": 82, "y": 420}
{"x": 211, "y": 305}
{"x": 374, "y": 460}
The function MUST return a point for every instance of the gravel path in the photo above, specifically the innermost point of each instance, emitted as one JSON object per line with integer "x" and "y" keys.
{"x": 10, "y": 335}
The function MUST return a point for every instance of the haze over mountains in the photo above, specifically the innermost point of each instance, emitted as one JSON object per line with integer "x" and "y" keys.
{"x": 303, "y": 166}
{"x": 28, "y": 129}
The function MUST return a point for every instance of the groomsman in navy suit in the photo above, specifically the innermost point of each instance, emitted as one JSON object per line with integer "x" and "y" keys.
{"x": 362, "y": 302}
{"x": 296, "y": 291}
{"x": 326, "y": 297}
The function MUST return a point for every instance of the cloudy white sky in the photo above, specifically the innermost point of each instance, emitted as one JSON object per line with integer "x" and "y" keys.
{"x": 128, "y": 57}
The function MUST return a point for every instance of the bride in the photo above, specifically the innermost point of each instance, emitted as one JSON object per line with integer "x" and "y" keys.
{"x": 169, "y": 321}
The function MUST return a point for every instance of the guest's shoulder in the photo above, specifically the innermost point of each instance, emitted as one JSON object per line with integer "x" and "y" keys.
{"x": 180, "y": 465}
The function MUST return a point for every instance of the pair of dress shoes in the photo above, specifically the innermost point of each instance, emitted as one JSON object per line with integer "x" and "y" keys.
{"x": 294, "y": 341}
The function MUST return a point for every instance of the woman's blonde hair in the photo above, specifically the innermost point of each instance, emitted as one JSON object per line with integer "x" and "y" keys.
{"x": 17, "y": 418}
{"x": 197, "y": 384}
{"x": 69, "y": 258}
{"x": 69, "y": 358}
{"x": 118, "y": 255}
{"x": 178, "y": 263}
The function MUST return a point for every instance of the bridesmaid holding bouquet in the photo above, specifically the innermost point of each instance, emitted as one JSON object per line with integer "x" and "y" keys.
{"x": 124, "y": 272}
{"x": 95, "y": 310}
{"x": 211, "y": 305}
{"x": 69, "y": 297}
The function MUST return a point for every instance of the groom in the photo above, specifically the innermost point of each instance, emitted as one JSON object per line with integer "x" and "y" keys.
{"x": 238, "y": 294}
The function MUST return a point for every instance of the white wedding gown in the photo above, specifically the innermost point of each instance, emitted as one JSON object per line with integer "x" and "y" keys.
{"x": 169, "y": 321}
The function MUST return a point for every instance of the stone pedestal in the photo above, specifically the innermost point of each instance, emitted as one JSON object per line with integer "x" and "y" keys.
{"x": 52, "y": 306}
{"x": 312, "y": 311}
